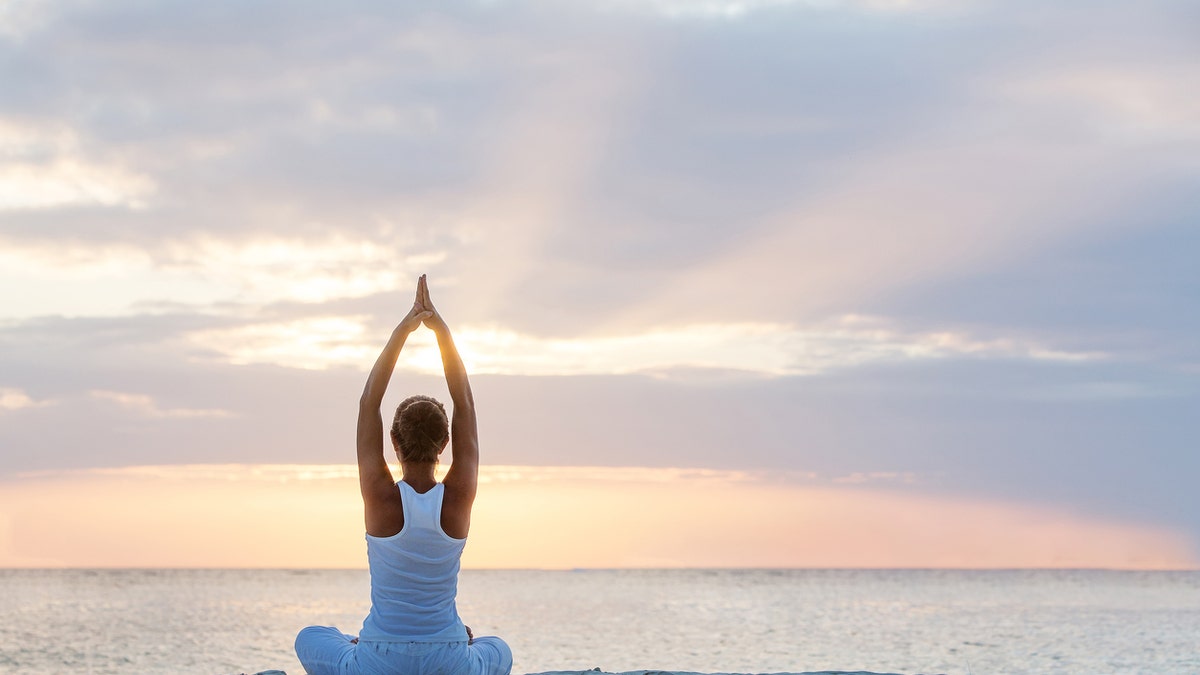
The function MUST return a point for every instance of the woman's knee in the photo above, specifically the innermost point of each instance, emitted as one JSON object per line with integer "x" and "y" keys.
{"x": 322, "y": 649}
{"x": 495, "y": 655}
{"x": 308, "y": 631}
{"x": 311, "y": 634}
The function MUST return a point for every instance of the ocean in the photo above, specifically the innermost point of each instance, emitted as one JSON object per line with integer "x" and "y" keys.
{"x": 1010, "y": 622}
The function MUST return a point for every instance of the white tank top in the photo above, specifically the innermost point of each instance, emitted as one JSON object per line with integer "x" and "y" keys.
{"x": 414, "y": 576}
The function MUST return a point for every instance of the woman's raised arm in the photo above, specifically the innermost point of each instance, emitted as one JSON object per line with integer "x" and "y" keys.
{"x": 462, "y": 480}
{"x": 374, "y": 477}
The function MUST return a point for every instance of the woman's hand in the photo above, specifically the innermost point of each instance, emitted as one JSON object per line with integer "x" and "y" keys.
{"x": 419, "y": 313}
{"x": 416, "y": 316}
{"x": 434, "y": 320}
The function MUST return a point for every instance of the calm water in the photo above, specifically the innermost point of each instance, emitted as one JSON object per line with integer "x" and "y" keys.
{"x": 225, "y": 621}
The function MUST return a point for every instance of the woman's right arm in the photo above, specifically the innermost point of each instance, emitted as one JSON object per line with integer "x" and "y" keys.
{"x": 462, "y": 480}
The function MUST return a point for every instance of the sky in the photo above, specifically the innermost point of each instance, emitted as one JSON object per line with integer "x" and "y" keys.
{"x": 769, "y": 283}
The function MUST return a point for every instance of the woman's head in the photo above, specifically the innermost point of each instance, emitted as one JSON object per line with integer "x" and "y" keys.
{"x": 420, "y": 429}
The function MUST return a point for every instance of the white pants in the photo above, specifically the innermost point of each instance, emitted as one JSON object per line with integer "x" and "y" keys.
{"x": 324, "y": 650}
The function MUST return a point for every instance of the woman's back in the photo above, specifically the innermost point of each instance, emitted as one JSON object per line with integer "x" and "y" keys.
{"x": 414, "y": 575}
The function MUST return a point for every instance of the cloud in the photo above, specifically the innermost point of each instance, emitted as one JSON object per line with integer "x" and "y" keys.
{"x": 314, "y": 343}
{"x": 1103, "y": 391}
{"x": 1079, "y": 433}
{"x": 43, "y": 167}
{"x": 758, "y": 348}
{"x": 71, "y": 261}
{"x": 69, "y": 183}
{"x": 19, "y": 17}
{"x": 145, "y": 406}
{"x": 859, "y": 477}
{"x": 16, "y": 399}
{"x": 1122, "y": 104}
{"x": 916, "y": 214}
{"x": 206, "y": 273}
{"x": 236, "y": 473}
{"x": 305, "y": 270}
{"x": 644, "y": 177}
{"x": 733, "y": 9}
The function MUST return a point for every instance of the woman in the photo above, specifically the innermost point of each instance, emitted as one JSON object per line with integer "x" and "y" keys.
{"x": 416, "y": 529}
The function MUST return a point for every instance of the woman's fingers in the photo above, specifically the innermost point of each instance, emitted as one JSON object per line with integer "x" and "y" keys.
{"x": 424, "y": 288}
{"x": 421, "y": 293}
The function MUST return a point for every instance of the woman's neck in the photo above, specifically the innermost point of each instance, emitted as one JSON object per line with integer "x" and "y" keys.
{"x": 420, "y": 476}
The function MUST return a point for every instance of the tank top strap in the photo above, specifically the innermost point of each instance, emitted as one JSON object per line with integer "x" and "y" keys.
{"x": 423, "y": 511}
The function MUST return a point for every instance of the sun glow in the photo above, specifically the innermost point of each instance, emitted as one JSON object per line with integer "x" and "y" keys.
{"x": 764, "y": 348}
{"x": 554, "y": 517}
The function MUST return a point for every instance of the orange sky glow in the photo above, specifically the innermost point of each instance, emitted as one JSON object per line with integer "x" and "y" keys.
{"x": 553, "y": 517}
